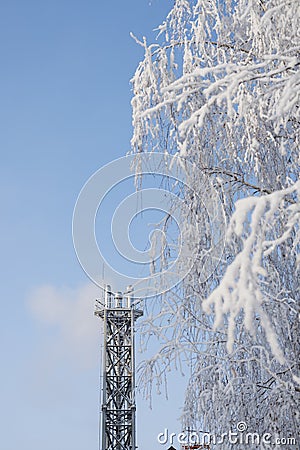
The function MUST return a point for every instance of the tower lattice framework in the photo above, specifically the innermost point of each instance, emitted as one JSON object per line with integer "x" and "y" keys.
{"x": 118, "y": 378}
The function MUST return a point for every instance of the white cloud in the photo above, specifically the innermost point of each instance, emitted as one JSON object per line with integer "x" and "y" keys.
{"x": 68, "y": 315}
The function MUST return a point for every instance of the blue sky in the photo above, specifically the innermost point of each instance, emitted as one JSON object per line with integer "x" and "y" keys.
{"x": 65, "y": 111}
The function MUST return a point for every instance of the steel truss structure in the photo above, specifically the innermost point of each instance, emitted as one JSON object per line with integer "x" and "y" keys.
{"x": 118, "y": 381}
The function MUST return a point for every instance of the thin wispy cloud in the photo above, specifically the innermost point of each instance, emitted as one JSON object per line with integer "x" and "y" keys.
{"x": 66, "y": 314}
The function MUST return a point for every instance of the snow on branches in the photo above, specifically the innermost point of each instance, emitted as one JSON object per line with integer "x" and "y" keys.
{"x": 246, "y": 278}
{"x": 220, "y": 86}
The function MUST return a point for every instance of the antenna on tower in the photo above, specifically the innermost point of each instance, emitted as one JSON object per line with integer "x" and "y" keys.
{"x": 119, "y": 312}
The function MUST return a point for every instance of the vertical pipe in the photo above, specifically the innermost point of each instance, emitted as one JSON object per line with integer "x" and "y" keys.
{"x": 118, "y": 299}
{"x": 103, "y": 440}
{"x": 133, "y": 407}
{"x": 108, "y": 296}
{"x": 129, "y": 296}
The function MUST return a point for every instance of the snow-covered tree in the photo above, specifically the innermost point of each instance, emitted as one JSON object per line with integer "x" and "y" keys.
{"x": 220, "y": 87}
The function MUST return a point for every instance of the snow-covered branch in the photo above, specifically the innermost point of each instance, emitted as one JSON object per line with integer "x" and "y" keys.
{"x": 254, "y": 221}
{"x": 221, "y": 87}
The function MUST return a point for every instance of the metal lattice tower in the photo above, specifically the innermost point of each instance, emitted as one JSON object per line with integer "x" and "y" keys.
{"x": 118, "y": 383}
